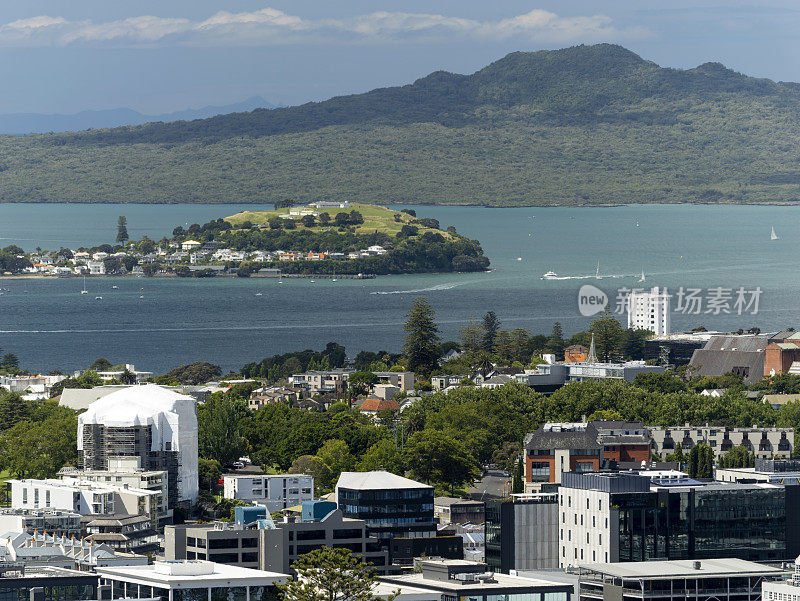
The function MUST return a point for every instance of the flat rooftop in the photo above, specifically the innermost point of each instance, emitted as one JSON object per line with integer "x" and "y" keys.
{"x": 501, "y": 582}
{"x": 659, "y": 570}
{"x": 223, "y": 575}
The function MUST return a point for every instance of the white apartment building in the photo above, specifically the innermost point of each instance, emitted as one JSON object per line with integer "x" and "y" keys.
{"x": 274, "y": 492}
{"x": 127, "y": 473}
{"x": 584, "y": 528}
{"x": 117, "y": 373}
{"x": 649, "y": 310}
{"x": 85, "y": 498}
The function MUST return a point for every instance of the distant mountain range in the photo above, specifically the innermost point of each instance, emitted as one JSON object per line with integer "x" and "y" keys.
{"x": 579, "y": 126}
{"x": 37, "y": 123}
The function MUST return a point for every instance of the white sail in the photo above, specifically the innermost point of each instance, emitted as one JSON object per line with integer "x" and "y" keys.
{"x": 773, "y": 235}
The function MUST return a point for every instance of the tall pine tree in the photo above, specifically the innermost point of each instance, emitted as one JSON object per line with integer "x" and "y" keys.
{"x": 421, "y": 347}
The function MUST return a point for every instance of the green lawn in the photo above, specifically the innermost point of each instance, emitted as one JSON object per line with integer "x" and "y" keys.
{"x": 376, "y": 218}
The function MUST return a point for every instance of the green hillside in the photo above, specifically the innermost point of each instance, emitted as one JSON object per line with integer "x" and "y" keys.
{"x": 583, "y": 125}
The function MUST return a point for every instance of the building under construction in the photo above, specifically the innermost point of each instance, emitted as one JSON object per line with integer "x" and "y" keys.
{"x": 150, "y": 422}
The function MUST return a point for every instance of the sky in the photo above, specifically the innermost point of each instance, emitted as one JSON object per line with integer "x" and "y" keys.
{"x": 64, "y": 56}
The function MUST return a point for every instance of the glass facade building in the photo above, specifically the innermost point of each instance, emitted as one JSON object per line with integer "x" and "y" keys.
{"x": 704, "y": 522}
{"x": 391, "y": 513}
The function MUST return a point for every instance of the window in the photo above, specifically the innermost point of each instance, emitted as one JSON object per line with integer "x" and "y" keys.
{"x": 249, "y": 543}
{"x": 311, "y": 535}
{"x": 250, "y": 557}
{"x": 223, "y": 543}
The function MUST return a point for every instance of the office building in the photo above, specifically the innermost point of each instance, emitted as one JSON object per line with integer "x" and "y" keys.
{"x": 274, "y": 492}
{"x": 40, "y": 520}
{"x": 467, "y": 580}
{"x": 449, "y": 510}
{"x": 293, "y": 538}
{"x": 150, "y": 422}
{"x": 191, "y": 580}
{"x": 522, "y": 533}
{"x": 391, "y": 505}
{"x": 613, "y": 517}
{"x": 399, "y": 512}
{"x": 764, "y": 443}
{"x": 724, "y": 579}
{"x": 649, "y": 310}
{"x": 254, "y": 541}
{"x": 774, "y": 471}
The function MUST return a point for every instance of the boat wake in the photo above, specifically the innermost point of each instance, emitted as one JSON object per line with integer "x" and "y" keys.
{"x": 448, "y": 286}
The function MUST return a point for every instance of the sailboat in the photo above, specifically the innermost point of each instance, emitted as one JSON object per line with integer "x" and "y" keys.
{"x": 773, "y": 235}
{"x": 84, "y": 291}
{"x": 597, "y": 271}
{"x": 641, "y": 279}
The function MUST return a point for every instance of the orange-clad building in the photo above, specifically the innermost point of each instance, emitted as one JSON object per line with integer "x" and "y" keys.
{"x": 576, "y": 354}
{"x": 556, "y": 448}
{"x": 624, "y": 441}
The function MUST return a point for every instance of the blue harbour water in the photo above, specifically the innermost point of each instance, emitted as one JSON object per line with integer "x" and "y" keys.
{"x": 49, "y": 324}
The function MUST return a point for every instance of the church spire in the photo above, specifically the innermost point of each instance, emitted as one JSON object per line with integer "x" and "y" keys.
{"x": 592, "y": 358}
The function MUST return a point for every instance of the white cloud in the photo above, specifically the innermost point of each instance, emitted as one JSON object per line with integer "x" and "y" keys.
{"x": 271, "y": 26}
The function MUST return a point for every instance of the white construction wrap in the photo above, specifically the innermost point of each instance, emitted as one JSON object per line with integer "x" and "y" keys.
{"x": 172, "y": 417}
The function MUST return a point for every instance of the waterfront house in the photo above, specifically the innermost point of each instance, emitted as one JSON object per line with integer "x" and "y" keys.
{"x": 190, "y": 245}
{"x": 96, "y": 267}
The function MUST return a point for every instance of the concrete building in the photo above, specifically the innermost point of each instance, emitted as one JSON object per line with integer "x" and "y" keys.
{"x": 150, "y": 422}
{"x": 317, "y": 382}
{"x": 190, "y": 580}
{"x": 41, "y": 520}
{"x": 85, "y": 498}
{"x": 649, "y": 310}
{"x": 449, "y": 510}
{"x": 613, "y": 517}
{"x": 254, "y": 541}
{"x": 522, "y": 533}
{"x": 127, "y": 473}
{"x": 781, "y": 471}
{"x": 776, "y": 589}
{"x": 764, "y": 443}
{"x": 726, "y": 579}
{"x": 274, "y": 492}
{"x": 119, "y": 373}
{"x": 547, "y": 378}
{"x": 467, "y": 580}
{"x": 404, "y": 380}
